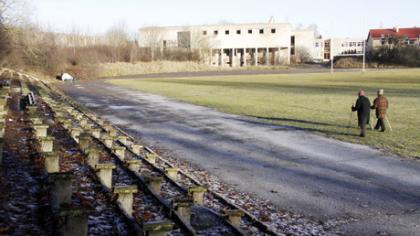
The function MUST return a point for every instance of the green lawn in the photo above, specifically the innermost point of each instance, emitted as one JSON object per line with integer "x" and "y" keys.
{"x": 317, "y": 102}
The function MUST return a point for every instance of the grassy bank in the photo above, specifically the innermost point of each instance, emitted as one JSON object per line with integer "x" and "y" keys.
{"x": 317, "y": 102}
{"x": 121, "y": 68}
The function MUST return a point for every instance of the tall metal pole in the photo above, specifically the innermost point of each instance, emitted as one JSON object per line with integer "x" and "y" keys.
{"x": 364, "y": 56}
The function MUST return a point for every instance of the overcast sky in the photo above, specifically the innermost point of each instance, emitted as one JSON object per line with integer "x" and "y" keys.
{"x": 335, "y": 18}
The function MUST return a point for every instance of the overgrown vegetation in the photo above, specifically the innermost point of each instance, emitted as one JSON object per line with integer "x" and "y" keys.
{"x": 399, "y": 55}
{"x": 317, "y": 102}
{"x": 26, "y": 46}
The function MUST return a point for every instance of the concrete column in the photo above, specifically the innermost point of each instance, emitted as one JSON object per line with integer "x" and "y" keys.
{"x": 123, "y": 139}
{"x": 96, "y": 132}
{"x": 87, "y": 126}
{"x": 157, "y": 228}
{"x": 73, "y": 221}
{"x": 183, "y": 208}
{"x": 113, "y": 132}
{"x": 120, "y": 152}
{"x": 52, "y": 162}
{"x": 84, "y": 141}
{"x": 233, "y": 58}
{"x": 235, "y": 217}
{"x": 154, "y": 183}
{"x": 172, "y": 173}
{"x": 93, "y": 157}
{"x": 133, "y": 165}
{"x": 83, "y": 121}
{"x": 151, "y": 157}
{"x": 108, "y": 141}
{"x": 125, "y": 197}
{"x": 60, "y": 188}
{"x": 198, "y": 194}
{"x": 40, "y": 130}
{"x": 267, "y": 56}
{"x": 105, "y": 173}
{"x": 136, "y": 148}
{"x": 256, "y": 57}
{"x": 75, "y": 132}
{"x": 47, "y": 144}
{"x": 288, "y": 55}
{"x": 279, "y": 59}
{"x": 79, "y": 116}
{"x": 36, "y": 121}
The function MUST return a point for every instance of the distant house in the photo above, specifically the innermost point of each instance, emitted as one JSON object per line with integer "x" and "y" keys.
{"x": 390, "y": 37}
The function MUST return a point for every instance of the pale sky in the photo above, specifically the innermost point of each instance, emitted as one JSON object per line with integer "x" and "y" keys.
{"x": 339, "y": 18}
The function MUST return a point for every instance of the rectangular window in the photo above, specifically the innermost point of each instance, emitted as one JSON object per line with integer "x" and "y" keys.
{"x": 316, "y": 44}
{"x": 204, "y": 32}
{"x": 216, "y": 32}
{"x": 383, "y": 41}
{"x": 273, "y": 31}
{"x": 238, "y": 32}
{"x": 227, "y": 32}
{"x": 250, "y": 31}
{"x": 261, "y": 31}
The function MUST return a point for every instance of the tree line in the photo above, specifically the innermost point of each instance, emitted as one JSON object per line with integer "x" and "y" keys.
{"x": 25, "y": 45}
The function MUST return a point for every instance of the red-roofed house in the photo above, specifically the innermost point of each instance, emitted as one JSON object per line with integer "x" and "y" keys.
{"x": 384, "y": 37}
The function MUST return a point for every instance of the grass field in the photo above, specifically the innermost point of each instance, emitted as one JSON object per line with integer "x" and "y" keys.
{"x": 317, "y": 102}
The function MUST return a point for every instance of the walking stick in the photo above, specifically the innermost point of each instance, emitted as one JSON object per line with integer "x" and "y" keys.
{"x": 389, "y": 123}
{"x": 350, "y": 120}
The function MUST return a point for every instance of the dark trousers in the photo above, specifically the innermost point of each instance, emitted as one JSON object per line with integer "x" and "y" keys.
{"x": 363, "y": 130}
{"x": 380, "y": 124}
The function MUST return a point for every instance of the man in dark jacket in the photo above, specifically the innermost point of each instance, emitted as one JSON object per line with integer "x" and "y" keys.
{"x": 363, "y": 112}
{"x": 380, "y": 104}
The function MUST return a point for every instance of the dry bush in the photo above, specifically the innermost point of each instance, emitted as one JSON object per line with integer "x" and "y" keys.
{"x": 348, "y": 62}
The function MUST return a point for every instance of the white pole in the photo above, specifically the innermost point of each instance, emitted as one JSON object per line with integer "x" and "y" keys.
{"x": 332, "y": 64}
{"x": 364, "y": 56}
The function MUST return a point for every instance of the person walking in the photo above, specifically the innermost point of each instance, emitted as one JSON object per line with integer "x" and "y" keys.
{"x": 380, "y": 104}
{"x": 362, "y": 107}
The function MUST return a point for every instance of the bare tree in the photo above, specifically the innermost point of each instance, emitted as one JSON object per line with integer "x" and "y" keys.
{"x": 151, "y": 38}
{"x": 302, "y": 55}
{"x": 202, "y": 43}
{"x": 117, "y": 37}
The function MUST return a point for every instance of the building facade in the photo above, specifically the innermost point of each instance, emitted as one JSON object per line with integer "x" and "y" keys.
{"x": 343, "y": 47}
{"x": 251, "y": 44}
{"x": 226, "y": 44}
{"x": 389, "y": 37}
{"x": 309, "y": 42}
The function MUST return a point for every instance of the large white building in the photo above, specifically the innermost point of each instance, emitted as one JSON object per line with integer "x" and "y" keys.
{"x": 226, "y": 44}
{"x": 249, "y": 44}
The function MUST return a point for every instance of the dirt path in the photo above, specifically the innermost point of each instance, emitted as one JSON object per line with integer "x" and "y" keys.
{"x": 298, "y": 171}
